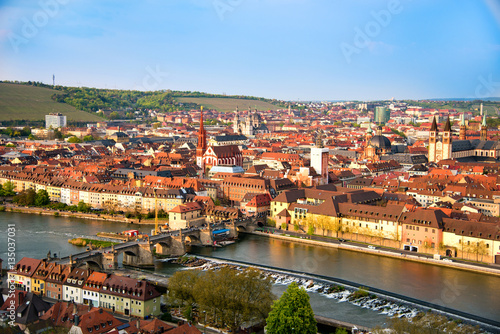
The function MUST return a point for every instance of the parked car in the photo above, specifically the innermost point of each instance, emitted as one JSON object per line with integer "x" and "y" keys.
{"x": 342, "y": 240}
{"x": 372, "y": 247}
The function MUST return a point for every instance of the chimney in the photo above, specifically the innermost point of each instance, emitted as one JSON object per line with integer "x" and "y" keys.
{"x": 75, "y": 308}
{"x": 138, "y": 324}
{"x": 77, "y": 320}
{"x": 100, "y": 310}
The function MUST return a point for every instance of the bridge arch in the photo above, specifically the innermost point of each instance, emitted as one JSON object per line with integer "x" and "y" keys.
{"x": 192, "y": 240}
{"x": 89, "y": 264}
{"x": 129, "y": 252}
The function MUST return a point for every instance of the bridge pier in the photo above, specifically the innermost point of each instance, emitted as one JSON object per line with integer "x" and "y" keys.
{"x": 110, "y": 260}
{"x": 206, "y": 237}
{"x": 174, "y": 247}
{"x": 140, "y": 256}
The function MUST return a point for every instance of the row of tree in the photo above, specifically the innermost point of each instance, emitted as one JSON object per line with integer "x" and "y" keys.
{"x": 24, "y": 132}
{"x": 41, "y": 198}
{"x": 29, "y": 197}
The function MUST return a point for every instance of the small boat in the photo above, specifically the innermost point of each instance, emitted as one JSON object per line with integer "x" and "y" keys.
{"x": 227, "y": 242}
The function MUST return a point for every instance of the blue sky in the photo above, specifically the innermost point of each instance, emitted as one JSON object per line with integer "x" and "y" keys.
{"x": 285, "y": 49}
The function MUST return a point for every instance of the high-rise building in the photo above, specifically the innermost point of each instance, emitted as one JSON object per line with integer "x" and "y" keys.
{"x": 382, "y": 115}
{"x": 55, "y": 121}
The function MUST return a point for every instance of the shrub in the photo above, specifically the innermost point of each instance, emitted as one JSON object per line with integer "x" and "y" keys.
{"x": 361, "y": 293}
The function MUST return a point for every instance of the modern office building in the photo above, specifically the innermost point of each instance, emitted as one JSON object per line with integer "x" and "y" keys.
{"x": 382, "y": 115}
{"x": 56, "y": 120}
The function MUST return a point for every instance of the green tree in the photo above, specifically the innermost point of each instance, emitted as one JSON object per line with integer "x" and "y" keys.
{"x": 25, "y": 197}
{"x": 232, "y": 297}
{"x": 88, "y": 138}
{"x": 292, "y": 313}
{"x": 42, "y": 198}
{"x": 74, "y": 140}
{"x": 181, "y": 287}
{"x": 26, "y": 131}
{"x": 310, "y": 230}
{"x": 114, "y": 115}
{"x": 58, "y": 134}
{"x": 8, "y": 189}
{"x": 83, "y": 207}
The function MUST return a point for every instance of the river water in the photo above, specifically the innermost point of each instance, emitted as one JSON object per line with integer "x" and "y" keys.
{"x": 469, "y": 292}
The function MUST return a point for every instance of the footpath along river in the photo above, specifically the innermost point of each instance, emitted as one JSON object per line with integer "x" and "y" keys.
{"x": 470, "y": 292}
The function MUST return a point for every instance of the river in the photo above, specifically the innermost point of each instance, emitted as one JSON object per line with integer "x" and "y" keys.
{"x": 470, "y": 292}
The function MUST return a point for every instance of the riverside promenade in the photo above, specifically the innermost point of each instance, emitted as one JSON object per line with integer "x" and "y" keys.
{"x": 316, "y": 240}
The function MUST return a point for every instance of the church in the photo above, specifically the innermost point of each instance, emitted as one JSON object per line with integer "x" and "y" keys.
{"x": 210, "y": 156}
{"x": 250, "y": 125}
{"x": 377, "y": 145}
{"x": 442, "y": 147}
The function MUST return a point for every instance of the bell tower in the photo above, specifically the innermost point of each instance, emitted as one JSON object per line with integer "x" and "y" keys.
{"x": 432, "y": 140}
{"x": 447, "y": 140}
{"x": 484, "y": 129}
{"x": 202, "y": 144}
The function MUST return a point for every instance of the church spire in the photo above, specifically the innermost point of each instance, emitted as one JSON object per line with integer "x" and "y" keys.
{"x": 484, "y": 129}
{"x": 370, "y": 131}
{"x": 434, "y": 126}
{"x": 447, "y": 126}
{"x": 202, "y": 145}
{"x": 201, "y": 121}
{"x": 202, "y": 135}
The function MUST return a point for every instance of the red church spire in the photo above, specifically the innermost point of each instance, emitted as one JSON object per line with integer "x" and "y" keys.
{"x": 202, "y": 137}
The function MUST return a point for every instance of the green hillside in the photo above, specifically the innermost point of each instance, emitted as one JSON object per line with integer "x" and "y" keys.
{"x": 227, "y": 104}
{"x": 23, "y": 102}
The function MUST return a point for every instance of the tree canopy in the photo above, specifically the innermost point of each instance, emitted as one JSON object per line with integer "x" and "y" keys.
{"x": 229, "y": 297}
{"x": 7, "y": 189}
{"x": 292, "y": 313}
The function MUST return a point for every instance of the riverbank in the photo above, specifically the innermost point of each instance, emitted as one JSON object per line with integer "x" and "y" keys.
{"x": 69, "y": 214}
{"x": 384, "y": 252}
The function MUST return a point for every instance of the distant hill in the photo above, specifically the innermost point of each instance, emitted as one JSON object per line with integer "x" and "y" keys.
{"x": 227, "y": 104}
{"x": 492, "y": 99}
{"x": 24, "y": 102}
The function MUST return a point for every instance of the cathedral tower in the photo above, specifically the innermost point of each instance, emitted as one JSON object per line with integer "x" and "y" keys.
{"x": 447, "y": 140}
{"x": 432, "y": 140}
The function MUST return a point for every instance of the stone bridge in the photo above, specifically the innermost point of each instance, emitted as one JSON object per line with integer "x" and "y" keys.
{"x": 141, "y": 253}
